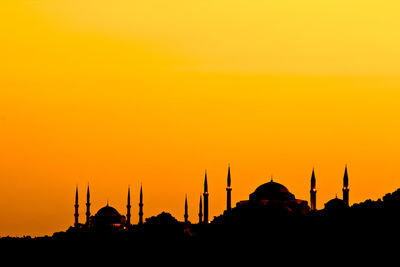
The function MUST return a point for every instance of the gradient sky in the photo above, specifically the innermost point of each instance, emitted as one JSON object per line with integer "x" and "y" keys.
{"x": 124, "y": 92}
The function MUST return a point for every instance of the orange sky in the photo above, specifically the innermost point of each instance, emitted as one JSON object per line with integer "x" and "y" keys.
{"x": 118, "y": 93}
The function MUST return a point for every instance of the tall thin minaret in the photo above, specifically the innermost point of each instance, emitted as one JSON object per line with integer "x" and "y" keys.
{"x": 128, "y": 208}
{"x": 205, "y": 195}
{"x": 141, "y": 206}
{"x": 228, "y": 191}
{"x": 200, "y": 211}
{"x": 186, "y": 216}
{"x": 76, "y": 224}
{"x": 346, "y": 187}
{"x": 313, "y": 192}
{"x": 87, "y": 205}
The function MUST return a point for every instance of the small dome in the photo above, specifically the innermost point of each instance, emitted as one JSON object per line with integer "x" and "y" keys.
{"x": 335, "y": 204}
{"x": 271, "y": 191}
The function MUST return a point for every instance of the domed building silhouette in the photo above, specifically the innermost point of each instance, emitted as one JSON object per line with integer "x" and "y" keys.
{"x": 276, "y": 198}
{"x": 335, "y": 204}
{"x": 268, "y": 204}
{"x": 107, "y": 217}
{"x": 271, "y": 191}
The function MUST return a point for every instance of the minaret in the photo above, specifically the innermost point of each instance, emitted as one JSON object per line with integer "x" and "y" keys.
{"x": 200, "y": 211}
{"x": 346, "y": 187}
{"x": 228, "y": 191}
{"x": 205, "y": 195}
{"x": 186, "y": 216}
{"x": 141, "y": 206}
{"x": 128, "y": 208}
{"x": 313, "y": 192}
{"x": 87, "y": 206}
{"x": 76, "y": 224}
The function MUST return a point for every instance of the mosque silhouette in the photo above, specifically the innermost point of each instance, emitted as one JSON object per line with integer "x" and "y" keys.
{"x": 270, "y": 199}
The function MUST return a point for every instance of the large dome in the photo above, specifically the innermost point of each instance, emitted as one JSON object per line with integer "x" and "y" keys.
{"x": 108, "y": 211}
{"x": 271, "y": 191}
{"x": 107, "y": 218}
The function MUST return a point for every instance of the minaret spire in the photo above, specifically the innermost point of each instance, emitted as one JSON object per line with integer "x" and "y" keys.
{"x": 76, "y": 215}
{"x": 228, "y": 190}
{"x": 141, "y": 206}
{"x": 128, "y": 208}
{"x": 186, "y": 216}
{"x": 205, "y": 195}
{"x": 313, "y": 192}
{"x": 200, "y": 211}
{"x": 346, "y": 187}
{"x": 87, "y": 206}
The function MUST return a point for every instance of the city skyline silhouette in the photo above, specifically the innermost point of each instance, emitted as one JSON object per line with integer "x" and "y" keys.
{"x": 193, "y": 212}
{"x": 123, "y": 222}
{"x": 270, "y": 200}
{"x": 272, "y": 220}
{"x": 112, "y": 114}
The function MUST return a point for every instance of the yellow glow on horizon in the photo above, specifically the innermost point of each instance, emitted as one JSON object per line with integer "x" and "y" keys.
{"x": 124, "y": 92}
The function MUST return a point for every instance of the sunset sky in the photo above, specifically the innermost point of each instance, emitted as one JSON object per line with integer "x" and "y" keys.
{"x": 124, "y": 92}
